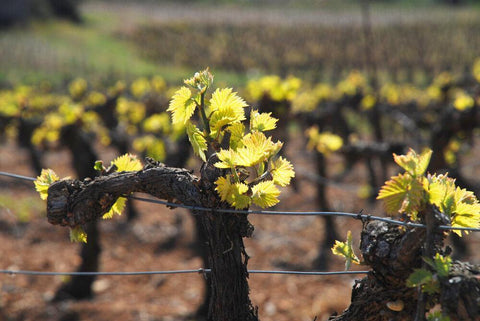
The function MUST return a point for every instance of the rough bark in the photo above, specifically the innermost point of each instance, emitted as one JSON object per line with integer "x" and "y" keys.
{"x": 73, "y": 202}
{"x": 393, "y": 253}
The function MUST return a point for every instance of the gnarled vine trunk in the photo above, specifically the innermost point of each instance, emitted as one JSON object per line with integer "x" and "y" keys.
{"x": 393, "y": 253}
{"x": 73, "y": 202}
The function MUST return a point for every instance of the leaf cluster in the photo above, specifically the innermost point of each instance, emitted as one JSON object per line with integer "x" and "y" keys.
{"x": 412, "y": 191}
{"x": 247, "y": 154}
{"x": 324, "y": 142}
{"x": 428, "y": 279}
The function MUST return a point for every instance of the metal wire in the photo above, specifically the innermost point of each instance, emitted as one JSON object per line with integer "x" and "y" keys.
{"x": 199, "y": 271}
{"x": 17, "y": 176}
{"x": 363, "y": 217}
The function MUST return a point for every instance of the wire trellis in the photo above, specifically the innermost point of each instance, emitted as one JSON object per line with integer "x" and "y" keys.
{"x": 358, "y": 216}
{"x": 192, "y": 271}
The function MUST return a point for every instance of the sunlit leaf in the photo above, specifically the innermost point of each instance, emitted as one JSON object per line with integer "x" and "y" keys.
{"x": 345, "y": 250}
{"x": 459, "y": 204}
{"x": 117, "y": 208}
{"x": 182, "y": 106}
{"x": 201, "y": 81}
{"x": 237, "y": 131}
{"x": 282, "y": 171}
{"x": 77, "y": 234}
{"x": 413, "y": 163}
{"x": 262, "y": 121}
{"x": 233, "y": 193}
{"x": 239, "y": 199}
{"x": 43, "y": 182}
{"x": 198, "y": 141}
{"x": 256, "y": 148}
{"x": 436, "y": 187}
{"x": 442, "y": 264}
{"x": 225, "y": 108}
{"x": 127, "y": 163}
{"x": 402, "y": 194}
{"x": 265, "y": 194}
{"x": 467, "y": 210}
{"x": 227, "y": 157}
{"x": 99, "y": 166}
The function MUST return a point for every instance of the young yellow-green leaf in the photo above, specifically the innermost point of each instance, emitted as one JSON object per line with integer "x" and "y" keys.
{"x": 201, "y": 81}
{"x": 437, "y": 188}
{"x": 127, "y": 163}
{"x": 282, "y": 171}
{"x": 99, "y": 166}
{"x": 46, "y": 178}
{"x": 262, "y": 121}
{"x": 182, "y": 106}
{"x": 224, "y": 187}
{"x": 265, "y": 194}
{"x": 459, "y": 204}
{"x": 117, "y": 208}
{"x": 228, "y": 158}
{"x": 234, "y": 194}
{"x": 345, "y": 250}
{"x": 467, "y": 210}
{"x": 395, "y": 193}
{"x": 442, "y": 264}
{"x": 77, "y": 234}
{"x": 413, "y": 163}
{"x": 225, "y": 108}
{"x": 256, "y": 148}
{"x": 239, "y": 199}
{"x": 198, "y": 141}
{"x": 124, "y": 163}
{"x": 465, "y": 220}
{"x": 237, "y": 131}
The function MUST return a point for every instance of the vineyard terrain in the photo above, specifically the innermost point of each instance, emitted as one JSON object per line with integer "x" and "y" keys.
{"x": 278, "y": 243}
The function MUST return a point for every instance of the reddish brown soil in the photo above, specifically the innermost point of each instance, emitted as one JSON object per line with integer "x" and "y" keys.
{"x": 278, "y": 241}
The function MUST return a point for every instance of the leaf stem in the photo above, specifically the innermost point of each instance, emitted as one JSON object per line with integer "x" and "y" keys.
{"x": 235, "y": 175}
{"x": 203, "y": 114}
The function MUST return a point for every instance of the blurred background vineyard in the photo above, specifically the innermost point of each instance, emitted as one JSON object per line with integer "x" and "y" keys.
{"x": 314, "y": 40}
{"x": 349, "y": 79}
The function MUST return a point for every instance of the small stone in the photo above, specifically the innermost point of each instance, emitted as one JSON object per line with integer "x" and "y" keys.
{"x": 396, "y": 306}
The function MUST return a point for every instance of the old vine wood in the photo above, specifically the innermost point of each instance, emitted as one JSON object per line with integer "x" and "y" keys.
{"x": 73, "y": 202}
